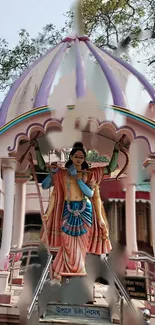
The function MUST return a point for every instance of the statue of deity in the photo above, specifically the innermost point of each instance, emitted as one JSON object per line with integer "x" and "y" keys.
{"x": 75, "y": 218}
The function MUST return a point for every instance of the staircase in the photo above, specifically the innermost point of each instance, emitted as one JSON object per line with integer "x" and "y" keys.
{"x": 69, "y": 312}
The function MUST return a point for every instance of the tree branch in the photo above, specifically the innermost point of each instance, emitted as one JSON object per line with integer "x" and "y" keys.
{"x": 151, "y": 62}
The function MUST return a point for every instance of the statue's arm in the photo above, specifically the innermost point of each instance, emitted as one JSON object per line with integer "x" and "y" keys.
{"x": 114, "y": 160}
{"x": 50, "y": 206}
{"x": 47, "y": 182}
{"x": 98, "y": 207}
{"x": 113, "y": 163}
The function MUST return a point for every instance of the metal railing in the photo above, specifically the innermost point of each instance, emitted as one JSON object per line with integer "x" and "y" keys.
{"x": 24, "y": 249}
{"x": 123, "y": 294}
{"x": 141, "y": 253}
{"x": 39, "y": 287}
{"x": 141, "y": 256}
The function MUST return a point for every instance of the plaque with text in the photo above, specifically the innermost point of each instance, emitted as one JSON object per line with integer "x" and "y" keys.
{"x": 136, "y": 287}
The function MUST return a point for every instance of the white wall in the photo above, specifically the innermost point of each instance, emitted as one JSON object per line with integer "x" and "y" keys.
{"x": 32, "y": 200}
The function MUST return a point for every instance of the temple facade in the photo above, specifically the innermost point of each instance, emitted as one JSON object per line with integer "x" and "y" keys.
{"x": 65, "y": 97}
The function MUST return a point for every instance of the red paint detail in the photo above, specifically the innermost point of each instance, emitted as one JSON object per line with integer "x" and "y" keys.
{"x": 5, "y": 299}
{"x": 68, "y": 39}
{"x": 83, "y": 38}
{"x": 73, "y": 38}
{"x": 132, "y": 265}
{"x": 18, "y": 281}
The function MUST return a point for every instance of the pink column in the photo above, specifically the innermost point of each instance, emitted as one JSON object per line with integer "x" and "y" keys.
{"x": 131, "y": 233}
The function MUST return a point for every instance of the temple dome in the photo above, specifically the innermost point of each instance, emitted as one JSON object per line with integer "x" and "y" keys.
{"x": 74, "y": 69}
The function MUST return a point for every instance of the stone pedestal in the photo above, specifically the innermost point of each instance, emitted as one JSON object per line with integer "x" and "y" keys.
{"x": 70, "y": 289}
{"x": 4, "y": 277}
{"x": 89, "y": 312}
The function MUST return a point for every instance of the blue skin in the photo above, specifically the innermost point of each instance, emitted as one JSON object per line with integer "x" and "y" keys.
{"x": 48, "y": 181}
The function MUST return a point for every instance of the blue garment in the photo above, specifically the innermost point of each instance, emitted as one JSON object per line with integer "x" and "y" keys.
{"x": 75, "y": 225}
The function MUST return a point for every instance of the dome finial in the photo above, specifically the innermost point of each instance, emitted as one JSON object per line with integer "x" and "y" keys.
{"x": 78, "y": 26}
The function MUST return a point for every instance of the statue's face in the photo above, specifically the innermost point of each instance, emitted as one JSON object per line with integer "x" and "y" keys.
{"x": 78, "y": 158}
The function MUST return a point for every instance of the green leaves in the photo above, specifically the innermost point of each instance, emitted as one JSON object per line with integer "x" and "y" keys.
{"x": 14, "y": 61}
{"x": 93, "y": 156}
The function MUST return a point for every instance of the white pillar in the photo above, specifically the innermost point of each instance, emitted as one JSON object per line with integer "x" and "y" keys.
{"x": 131, "y": 233}
{"x": 9, "y": 184}
{"x": 19, "y": 211}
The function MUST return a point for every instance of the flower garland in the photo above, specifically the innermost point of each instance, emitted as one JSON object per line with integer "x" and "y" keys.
{"x": 75, "y": 213}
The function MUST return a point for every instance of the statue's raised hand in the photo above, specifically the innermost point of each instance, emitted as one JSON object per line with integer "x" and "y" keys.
{"x": 72, "y": 170}
{"x": 34, "y": 143}
{"x": 119, "y": 145}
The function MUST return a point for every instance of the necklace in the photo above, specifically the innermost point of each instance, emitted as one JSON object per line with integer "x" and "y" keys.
{"x": 75, "y": 213}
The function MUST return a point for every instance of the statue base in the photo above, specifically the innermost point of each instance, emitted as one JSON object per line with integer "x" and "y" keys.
{"x": 70, "y": 292}
{"x": 73, "y": 311}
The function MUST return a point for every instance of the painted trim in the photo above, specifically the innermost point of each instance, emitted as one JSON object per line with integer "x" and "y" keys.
{"x": 135, "y": 116}
{"x": 42, "y": 110}
{"x": 25, "y": 116}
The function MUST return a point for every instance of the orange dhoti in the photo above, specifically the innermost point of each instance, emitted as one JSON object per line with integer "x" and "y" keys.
{"x": 71, "y": 256}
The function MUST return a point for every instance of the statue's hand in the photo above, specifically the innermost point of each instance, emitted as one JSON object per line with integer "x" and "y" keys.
{"x": 53, "y": 166}
{"x": 102, "y": 223}
{"x": 45, "y": 217}
{"x": 72, "y": 170}
{"x": 34, "y": 143}
{"x": 119, "y": 145}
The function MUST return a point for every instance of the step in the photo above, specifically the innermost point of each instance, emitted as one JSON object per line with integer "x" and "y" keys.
{"x": 72, "y": 321}
{"x": 76, "y": 311}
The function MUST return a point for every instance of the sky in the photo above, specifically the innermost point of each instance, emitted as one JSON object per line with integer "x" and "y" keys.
{"x": 31, "y": 15}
